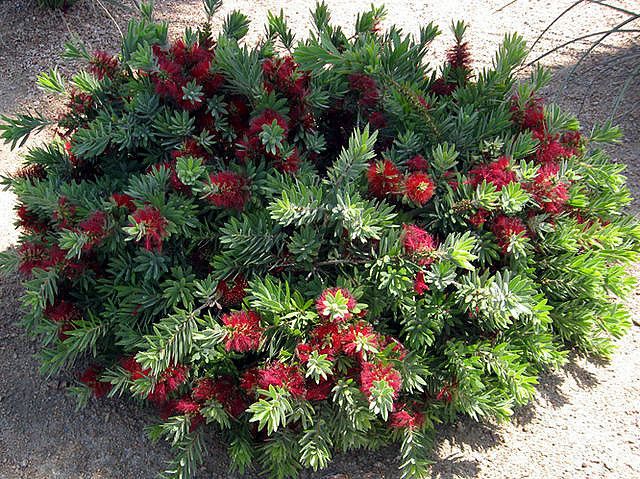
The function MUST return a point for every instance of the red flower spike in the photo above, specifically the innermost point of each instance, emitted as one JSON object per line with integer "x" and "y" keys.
{"x": 90, "y": 378}
{"x": 123, "y": 200}
{"x": 419, "y": 284}
{"x": 336, "y": 304}
{"x": 229, "y": 190}
{"x": 419, "y": 188}
{"x": 496, "y": 173}
{"x": 479, "y": 217}
{"x": 287, "y": 377}
{"x": 367, "y": 89}
{"x": 418, "y": 163}
{"x": 243, "y": 331}
{"x": 154, "y": 227}
{"x": 360, "y": 340}
{"x": 384, "y": 178}
{"x": 419, "y": 244}
{"x": 505, "y": 228}
{"x": 404, "y": 419}
{"x": 232, "y": 293}
{"x": 373, "y": 372}
{"x": 103, "y": 65}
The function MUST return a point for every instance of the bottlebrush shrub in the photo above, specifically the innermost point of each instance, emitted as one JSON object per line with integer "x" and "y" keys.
{"x": 314, "y": 246}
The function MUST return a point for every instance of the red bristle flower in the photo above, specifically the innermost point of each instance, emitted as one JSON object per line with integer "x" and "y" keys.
{"x": 281, "y": 375}
{"x": 550, "y": 150}
{"x": 459, "y": 56}
{"x": 319, "y": 391}
{"x": 232, "y": 293}
{"x": 229, "y": 190}
{"x": 30, "y": 221}
{"x": 548, "y": 191}
{"x": 204, "y": 390}
{"x": 419, "y": 188}
{"x": 374, "y": 372}
{"x": 249, "y": 380}
{"x": 531, "y": 117}
{"x": 573, "y": 142}
{"x": 418, "y": 163}
{"x": 336, "y": 303}
{"x": 505, "y": 228}
{"x": 226, "y": 392}
{"x": 479, "y": 218}
{"x": 65, "y": 213}
{"x": 95, "y": 227}
{"x": 134, "y": 368}
{"x": 154, "y": 226}
{"x": 61, "y": 312}
{"x": 290, "y": 164}
{"x": 441, "y": 87}
{"x": 497, "y": 173}
{"x": 377, "y": 120}
{"x": 419, "y": 244}
{"x": 267, "y": 117}
{"x": 359, "y": 339}
{"x": 367, "y": 89}
{"x": 39, "y": 256}
{"x": 103, "y": 65}
{"x": 405, "y": 419}
{"x": 186, "y": 405}
{"x": 90, "y": 378}
{"x": 243, "y": 331}
{"x": 174, "y": 376}
{"x": 31, "y": 173}
{"x": 384, "y": 178}
{"x": 419, "y": 284}
{"x": 123, "y": 200}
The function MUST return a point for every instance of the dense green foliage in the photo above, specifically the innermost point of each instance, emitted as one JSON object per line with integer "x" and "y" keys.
{"x": 314, "y": 245}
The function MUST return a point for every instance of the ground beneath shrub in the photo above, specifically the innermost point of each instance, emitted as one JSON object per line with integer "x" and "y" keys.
{"x": 586, "y": 417}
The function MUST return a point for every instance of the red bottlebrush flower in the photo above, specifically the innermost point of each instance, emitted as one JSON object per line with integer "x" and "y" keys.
{"x": 174, "y": 180}
{"x": 445, "y": 394}
{"x": 243, "y": 331}
{"x": 61, "y": 312}
{"x": 419, "y": 244}
{"x": 303, "y": 351}
{"x": 441, "y": 87}
{"x": 479, "y": 218}
{"x": 374, "y": 372}
{"x": 287, "y": 377}
{"x": 65, "y": 213}
{"x": 282, "y": 75}
{"x": 419, "y": 188}
{"x": 290, "y": 164}
{"x": 38, "y": 256}
{"x": 336, "y": 303}
{"x": 573, "y": 142}
{"x": 419, "y": 284}
{"x": 367, "y": 89}
{"x": 496, "y": 173}
{"x": 229, "y": 190}
{"x": 418, "y": 163}
{"x": 384, "y": 178}
{"x": 103, "y": 65}
{"x": 31, "y": 173}
{"x": 174, "y": 376}
{"x": 134, "y": 368}
{"x": 123, "y": 200}
{"x": 267, "y": 117}
{"x": 232, "y": 293}
{"x": 377, "y": 120}
{"x": 360, "y": 339}
{"x": 95, "y": 228}
{"x": 29, "y": 221}
{"x": 548, "y": 191}
{"x": 249, "y": 380}
{"x": 186, "y": 405}
{"x": 154, "y": 226}
{"x": 531, "y": 117}
{"x": 550, "y": 150}
{"x": 505, "y": 228}
{"x": 403, "y": 419}
{"x": 90, "y": 378}
{"x": 189, "y": 148}
{"x": 319, "y": 391}
{"x": 204, "y": 390}
{"x": 459, "y": 56}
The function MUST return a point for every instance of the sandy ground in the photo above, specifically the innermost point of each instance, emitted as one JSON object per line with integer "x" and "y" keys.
{"x": 585, "y": 421}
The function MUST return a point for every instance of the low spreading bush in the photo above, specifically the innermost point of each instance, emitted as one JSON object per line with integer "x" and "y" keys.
{"x": 314, "y": 246}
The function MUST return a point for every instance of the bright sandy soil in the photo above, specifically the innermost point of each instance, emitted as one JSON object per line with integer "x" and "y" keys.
{"x": 585, "y": 421}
